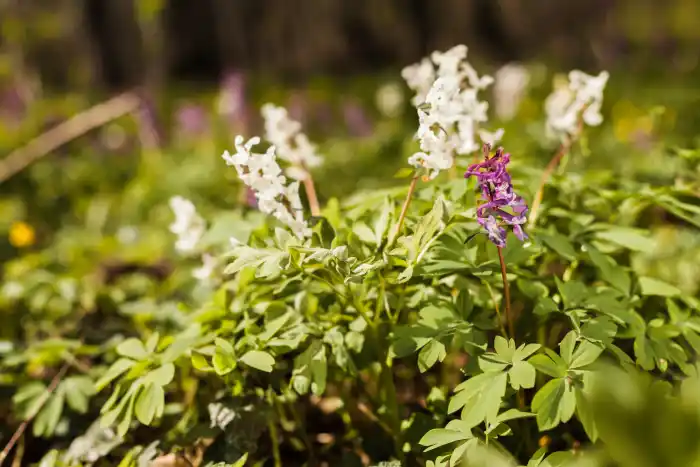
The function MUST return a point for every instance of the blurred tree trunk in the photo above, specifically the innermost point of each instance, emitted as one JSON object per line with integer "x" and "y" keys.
{"x": 116, "y": 35}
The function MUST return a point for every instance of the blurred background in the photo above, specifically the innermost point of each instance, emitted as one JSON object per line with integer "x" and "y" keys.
{"x": 191, "y": 74}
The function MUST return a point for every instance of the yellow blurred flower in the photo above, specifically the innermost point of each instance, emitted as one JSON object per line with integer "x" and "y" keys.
{"x": 545, "y": 441}
{"x": 21, "y": 234}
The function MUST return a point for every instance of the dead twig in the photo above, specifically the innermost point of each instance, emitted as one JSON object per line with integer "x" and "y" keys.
{"x": 20, "y": 430}
{"x": 61, "y": 134}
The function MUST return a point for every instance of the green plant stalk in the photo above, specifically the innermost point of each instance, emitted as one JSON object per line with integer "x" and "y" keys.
{"x": 274, "y": 434}
{"x": 506, "y": 293}
{"x": 386, "y": 378}
{"x": 406, "y": 204}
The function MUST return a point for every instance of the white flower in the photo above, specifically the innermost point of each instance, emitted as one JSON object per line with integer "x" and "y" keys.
{"x": 509, "y": 89}
{"x": 449, "y": 109}
{"x": 262, "y": 173}
{"x": 420, "y": 78}
{"x": 291, "y": 145}
{"x": 389, "y": 100}
{"x": 205, "y": 271}
{"x": 581, "y": 98}
{"x": 492, "y": 138}
{"x": 188, "y": 226}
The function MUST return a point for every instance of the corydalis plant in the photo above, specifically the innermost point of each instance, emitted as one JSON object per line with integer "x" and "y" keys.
{"x": 497, "y": 191}
{"x": 449, "y": 109}
{"x": 577, "y": 101}
{"x": 568, "y": 108}
{"x": 262, "y": 173}
{"x": 294, "y": 147}
{"x": 449, "y": 112}
{"x": 188, "y": 226}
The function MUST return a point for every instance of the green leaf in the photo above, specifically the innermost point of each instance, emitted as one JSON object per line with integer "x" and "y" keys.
{"x": 223, "y": 361}
{"x": 480, "y": 397}
{"x": 149, "y": 403}
{"x": 560, "y": 244}
{"x": 47, "y": 419}
{"x": 161, "y": 376}
{"x": 522, "y": 374}
{"x": 545, "y": 306}
{"x": 554, "y": 403}
{"x": 118, "y": 368}
{"x": 132, "y": 348}
{"x": 585, "y": 354}
{"x": 430, "y": 354}
{"x": 615, "y": 275}
{"x": 585, "y": 415}
{"x": 504, "y": 348}
{"x": 651, "y": 286}
{"x": 554, "y": 367}
{"x": 78, "y": 390}
{"x": 573, "y": 292}
{"x": 566, "y": 347}
{"x": 439, "y": 437}
{"x": 259, "y": 360}
{"x": 633, "y": 239}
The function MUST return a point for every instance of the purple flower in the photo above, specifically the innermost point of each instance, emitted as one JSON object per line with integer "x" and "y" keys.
{"x": 356, "y": 119}
{"x": 150, "y": 129}
{"x": 502, "y": 206}
{"x": 192, "y": 119}
{"x": 232, "y": 98}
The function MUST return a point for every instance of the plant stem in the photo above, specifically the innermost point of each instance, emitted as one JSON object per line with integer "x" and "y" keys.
{"x": 20, "y": 431}
{"x": 498, "y": 309}
{"x": 563, "y": 151}
{"x": 272, "y": 428}
{"x": 275, "y": 444}
{"x": 506, "y": 292}
{"x": 311, "y": 195}
{"x": 406, "y": 203}
{"x": 565, "y": 147}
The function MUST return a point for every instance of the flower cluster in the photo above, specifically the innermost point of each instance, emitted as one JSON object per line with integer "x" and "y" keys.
{"x": 449, "y": 112}
{"x": 291, "y": 144}
{"x": 262, "y": 173}
{"x": 502, "y": 206}
{"x": 580, "y": 98}
{"x": 188, "y": 226}
{"x": 509, "y": 89}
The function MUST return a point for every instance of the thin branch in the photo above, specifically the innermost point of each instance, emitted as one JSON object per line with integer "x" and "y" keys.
{"x": 23, "y": 426}
{"x": 61, "y": 134}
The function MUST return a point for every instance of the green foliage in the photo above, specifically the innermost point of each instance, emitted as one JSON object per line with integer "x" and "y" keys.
{"x": 366, "y": 339}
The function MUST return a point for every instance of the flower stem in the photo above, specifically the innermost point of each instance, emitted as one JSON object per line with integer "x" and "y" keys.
{"x": 563, "y": 151}
{"x": 311, "y": 196}
{"x": 553, "y": 163}
{"x": 506, "y": 292}
{"x": 498, "y": 309}
{"x": 406, "y": 203}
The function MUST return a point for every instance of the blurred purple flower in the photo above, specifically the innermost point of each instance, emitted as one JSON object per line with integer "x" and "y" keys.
{"x": 356, "y": 119}
{"x": 297, "y": 107}
{"x": 192, "y": 120}
{"x": 323, "y": 116}
{"x": 232, "y": 98}
{"x": 150, "y": 130}
{"x": 497, "y": 190}
{"x": 12, "y": 106}
{"x": 251, "y": 199}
